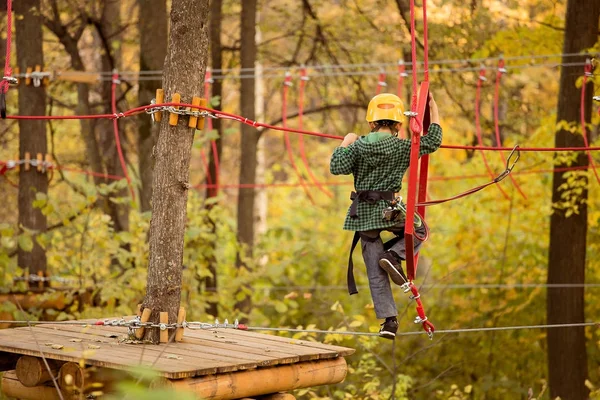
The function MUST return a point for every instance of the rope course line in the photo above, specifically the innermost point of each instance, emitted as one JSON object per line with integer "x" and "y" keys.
{"x": 318, "y": 67}
{"x": 113, "y": 102}
{"x": 288, "y": 145}
{"x": 587, "y": 74}
{"x": 136, "y": 324}
{"x": 303, "y": 80}
{"x": 481, "y": 79}
{"x": 7, "y": 79}
{"x": 499, "y": 72}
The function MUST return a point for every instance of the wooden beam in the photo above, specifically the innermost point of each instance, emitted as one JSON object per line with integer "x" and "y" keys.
{"x": 11, "y": 387}
{"x": 265, "y": 381}
{"x": 32, "y": 371}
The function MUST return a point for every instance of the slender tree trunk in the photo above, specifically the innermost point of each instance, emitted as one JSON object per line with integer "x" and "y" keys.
{"x": 109, "y": 38}
{"x": 183, "y": 73}
{"x": 250, "y": 136}
{"x": 216, "y": 54}
{"x": 32, "y": 134}
{"x": 153, "y": 26}
{"x": 567, "y": 357}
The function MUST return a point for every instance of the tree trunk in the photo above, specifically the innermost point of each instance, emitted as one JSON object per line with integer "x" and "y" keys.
{"x": 183, "y": 73}
{"x": 216, "y": 54}
{"x": 249, "y": 141}
{"x": 567, "y": 358}
{"x": 153, "y": 49}
{"x": 109, "y": 39}
{"x": 32, "y": 134}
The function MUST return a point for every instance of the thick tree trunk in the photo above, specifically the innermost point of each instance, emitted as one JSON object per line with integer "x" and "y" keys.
{"x": 184, "y": 70}
{"x": 216, "y": 54}
{"x": 153, "y": 26}
{"x": 250, "y": 136}
{"x": 567, "y": 358}
{"x": 32, "y": 134}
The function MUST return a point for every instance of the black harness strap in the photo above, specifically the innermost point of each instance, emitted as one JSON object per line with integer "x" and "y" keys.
{"x": 368, "y": 196}
{"x": 371, "y": 197}
{"x": 351, "y": 282}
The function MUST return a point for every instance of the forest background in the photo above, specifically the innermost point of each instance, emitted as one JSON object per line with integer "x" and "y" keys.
{"x": 282, "y": 264}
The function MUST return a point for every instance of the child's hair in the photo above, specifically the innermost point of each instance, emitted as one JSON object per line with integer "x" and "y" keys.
{"x": 385, "y": 123}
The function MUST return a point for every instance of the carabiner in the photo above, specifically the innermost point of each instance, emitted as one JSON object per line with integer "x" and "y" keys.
{"x": 509, "y": 167}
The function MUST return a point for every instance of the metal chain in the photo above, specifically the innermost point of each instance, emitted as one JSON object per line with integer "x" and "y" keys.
{"x": 10, "y": 164}
{"x": 153, "y": 109}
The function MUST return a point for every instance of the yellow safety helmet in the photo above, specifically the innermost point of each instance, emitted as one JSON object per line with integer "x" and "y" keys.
{"x": 385, "y": 106}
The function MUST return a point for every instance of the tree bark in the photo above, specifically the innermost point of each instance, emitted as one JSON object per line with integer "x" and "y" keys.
{"x": 567, "y": 357}
{"x": 109, "y": 38}
{"x": 216, "y": 54}
{"x": 32, "y": 134}
{"x": 184, "y": 70}
{"x": 153, "y": 26}
{"x": 249, "y": 142}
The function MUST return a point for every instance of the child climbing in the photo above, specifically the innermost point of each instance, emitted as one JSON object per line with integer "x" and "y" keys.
{"x": 378, "y": 161}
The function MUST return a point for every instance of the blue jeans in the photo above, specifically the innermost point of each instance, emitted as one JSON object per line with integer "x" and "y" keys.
{"x": 379, "y": 280}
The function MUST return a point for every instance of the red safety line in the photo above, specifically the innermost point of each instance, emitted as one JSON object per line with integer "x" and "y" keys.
{"x": 499, "y": 73}
{"x": 7, "y": 69}
{"x": 208, "y": 80}
{"x": 288, "y": 145}
{"x": 113, "y": 95}
{"x": 587, "y": 73}
{"x": 205, "y": 165}
{"x": 416, "y": 126}
{"x": 381, "y": 82}
{"x": 256, "y": 124}
{"x": 303, "y": 80}
{"x": 478, "y": 128}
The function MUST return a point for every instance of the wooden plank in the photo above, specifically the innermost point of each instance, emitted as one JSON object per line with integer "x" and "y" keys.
{"x": 190, "y": 351}
{"x": 284, "y": 351}
{"x": 303, "y": 354}
{"x": 170, "y": 368}
{"x": 342, "y": 351}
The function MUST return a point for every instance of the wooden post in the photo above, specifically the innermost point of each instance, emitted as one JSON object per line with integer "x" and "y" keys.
{"x": 160, "y": 98}
{"x": 139, "y": 334}
{"x": 164, "y": 334}
{"x": 32, "y": 371}
{"x": 194, "y": 120}
{"x": 174, "y": 118}
{"x": 200, "y": 125}
{"x": 41, "y": 282}
{"x": 180, "y": 319}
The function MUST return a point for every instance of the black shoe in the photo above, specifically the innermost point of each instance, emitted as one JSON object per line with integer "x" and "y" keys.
{"x": 392, "y": 266}
{"x": 388, "y": 329}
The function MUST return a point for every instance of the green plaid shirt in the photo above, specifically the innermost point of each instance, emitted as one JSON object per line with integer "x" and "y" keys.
{"x": 378, "y": 165}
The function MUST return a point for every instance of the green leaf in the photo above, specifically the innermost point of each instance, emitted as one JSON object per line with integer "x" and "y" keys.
{"x": 25, "y": 242}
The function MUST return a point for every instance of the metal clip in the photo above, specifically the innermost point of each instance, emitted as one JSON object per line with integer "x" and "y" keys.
{"x": 596, "y": 98}
{"x": 405, "y": 287}
{"x": 11, "y": 80}
{"x": 419, "y": 320}
{"x": 411, "y": 114}
{"x": 509, "y": 167}
{"x": 429, "y": 334}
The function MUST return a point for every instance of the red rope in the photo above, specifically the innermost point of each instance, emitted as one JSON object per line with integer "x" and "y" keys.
{"x": 587, "y": 73}
{"x": 208, "y": 80}
{"x": 288, "y": 145}
{"x": 256, "y": 124}
{"x": 7, "y": 69}
{"x": 499, "y": 73}
{"x": 303, "y": 80}
{"x": 115, "y": 81}
{"x": 205, "y": 164}
{"x": 478, "y": 127}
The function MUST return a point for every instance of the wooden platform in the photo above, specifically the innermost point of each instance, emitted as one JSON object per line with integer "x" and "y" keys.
{"x": 202, "y": 352}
